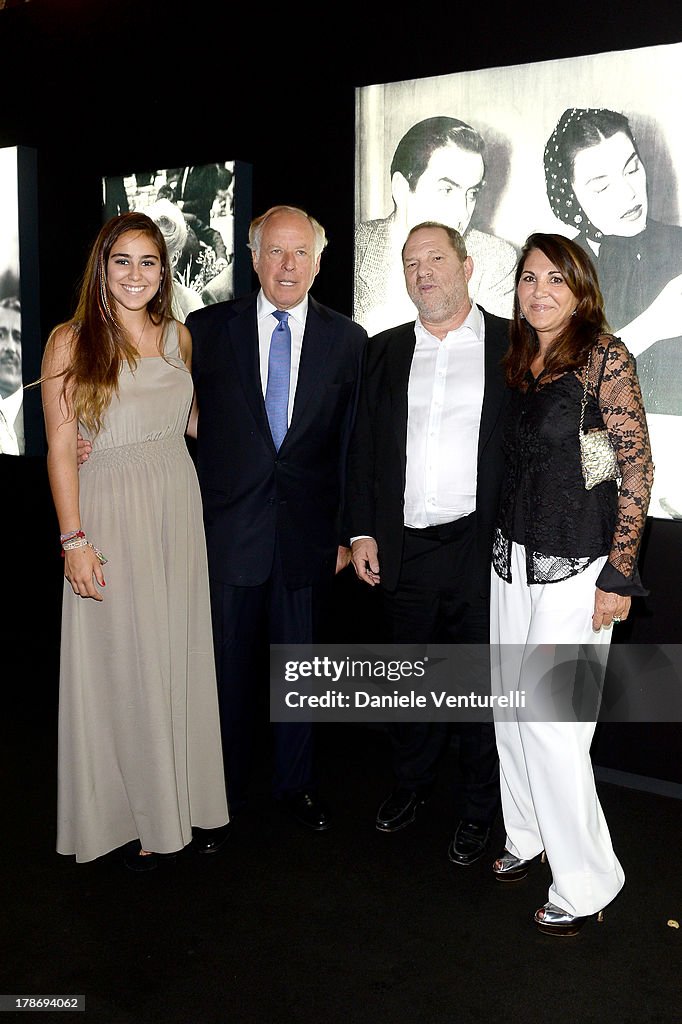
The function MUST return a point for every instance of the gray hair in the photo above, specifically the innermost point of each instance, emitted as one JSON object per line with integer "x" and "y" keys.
{"x": 258, "y": 223}
{"x": 171, "y": 222}
{"x": 456, "y": 240}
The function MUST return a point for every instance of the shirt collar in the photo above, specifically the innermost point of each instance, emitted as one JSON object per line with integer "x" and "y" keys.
{"x": 264, "y": 308}
{"x": 474, "y": 322}
{"x": 12, "y": 404}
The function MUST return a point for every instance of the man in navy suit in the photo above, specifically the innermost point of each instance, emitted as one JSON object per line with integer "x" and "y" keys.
{"x": 425, "y": 469}
{"x": 272, "y": 514}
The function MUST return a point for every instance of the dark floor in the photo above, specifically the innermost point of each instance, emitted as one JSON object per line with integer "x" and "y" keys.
{"x": 285, "y": 926}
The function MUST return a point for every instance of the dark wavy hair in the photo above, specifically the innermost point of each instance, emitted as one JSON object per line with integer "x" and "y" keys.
{"x": 419, "y": 143}
{"x": 570, "y": 348}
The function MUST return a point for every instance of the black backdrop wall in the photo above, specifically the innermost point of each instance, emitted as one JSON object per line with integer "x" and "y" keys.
{"x": 101, "y": 88}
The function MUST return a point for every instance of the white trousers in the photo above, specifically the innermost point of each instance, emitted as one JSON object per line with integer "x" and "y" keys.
{"x": 549, "y": 799}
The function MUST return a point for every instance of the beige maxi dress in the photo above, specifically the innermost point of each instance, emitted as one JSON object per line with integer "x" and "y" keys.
{"x": 139, "y": 734}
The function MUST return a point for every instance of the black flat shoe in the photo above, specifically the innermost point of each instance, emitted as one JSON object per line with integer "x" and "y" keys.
{"x": 308, "y": 810}
{"x": 210, "y": 840}
{"x": 399, "y": 809}
{"x": 469, "y": 844}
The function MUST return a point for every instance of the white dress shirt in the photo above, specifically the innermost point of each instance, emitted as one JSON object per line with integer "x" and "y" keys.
{"x": 266, "y": 325}
{"x": 445, "y": 397}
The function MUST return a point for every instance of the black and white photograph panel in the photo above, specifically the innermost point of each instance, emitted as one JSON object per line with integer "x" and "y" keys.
{"x": 12, "y": 440}
{"x": 437, "y": 171}
{"x": 194, "y": 208}
{"x": 589, "y": 147}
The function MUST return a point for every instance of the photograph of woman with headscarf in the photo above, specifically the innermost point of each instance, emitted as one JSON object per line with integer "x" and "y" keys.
{"x": 597, "y": 183}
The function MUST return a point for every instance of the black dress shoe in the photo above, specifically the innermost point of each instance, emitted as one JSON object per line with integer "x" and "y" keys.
{"x": 399, "y": 809}
{"x": 210, "y": 840}
{"x": 309, "y": 810}
{"x": 470, "y": 842}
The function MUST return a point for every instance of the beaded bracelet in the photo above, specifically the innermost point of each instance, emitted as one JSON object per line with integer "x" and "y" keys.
{"x": 75, "y": 542}
{"x": 79, "y": 540}
{"x": 70, "y": 535}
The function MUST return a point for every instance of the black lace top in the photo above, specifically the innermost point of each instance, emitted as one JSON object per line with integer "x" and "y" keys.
{"x": 545, "y": 505}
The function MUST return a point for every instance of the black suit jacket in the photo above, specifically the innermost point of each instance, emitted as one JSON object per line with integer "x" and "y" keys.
{"x": 253, "y": 495}
{"x": 199, "y": 190}
{"x": 378, "y": 451}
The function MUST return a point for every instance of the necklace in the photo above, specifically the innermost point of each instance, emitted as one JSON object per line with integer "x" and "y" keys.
{"x": 144, "y": 325}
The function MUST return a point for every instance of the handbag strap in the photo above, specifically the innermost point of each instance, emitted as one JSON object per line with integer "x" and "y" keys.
{"x": 583, "y": 404}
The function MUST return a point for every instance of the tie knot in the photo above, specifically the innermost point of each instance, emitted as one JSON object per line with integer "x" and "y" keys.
{"x": 282, "y": 315}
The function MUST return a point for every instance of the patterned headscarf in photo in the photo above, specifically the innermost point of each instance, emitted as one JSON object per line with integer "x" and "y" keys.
{"x": 577, "y": 129}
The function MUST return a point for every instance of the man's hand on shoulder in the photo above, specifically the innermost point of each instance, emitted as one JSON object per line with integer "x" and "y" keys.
{"x": 83, "y": 449}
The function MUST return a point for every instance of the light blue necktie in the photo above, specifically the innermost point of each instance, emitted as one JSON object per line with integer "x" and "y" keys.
{"x": 277, "y": 391}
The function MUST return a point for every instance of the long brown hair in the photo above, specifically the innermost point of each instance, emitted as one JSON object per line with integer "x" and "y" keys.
{"x": 570, "y": 348}
{"x": 100, "y": 342}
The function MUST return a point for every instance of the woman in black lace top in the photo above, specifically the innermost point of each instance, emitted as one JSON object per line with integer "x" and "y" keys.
{"x": 564, "y": 567}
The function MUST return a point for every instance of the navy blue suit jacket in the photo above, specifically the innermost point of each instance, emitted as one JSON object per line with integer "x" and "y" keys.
{"x": 254, "y": 496}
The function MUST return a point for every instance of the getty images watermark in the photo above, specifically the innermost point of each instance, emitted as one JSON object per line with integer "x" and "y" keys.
{"x": 475, "y": 682}
{"x": 379, "y": 674}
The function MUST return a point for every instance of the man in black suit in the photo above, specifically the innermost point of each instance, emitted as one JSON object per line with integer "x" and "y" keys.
{"x": 271, "y": 509}
{"x": 424, "y": 475}
{"x": 195, "y": 189}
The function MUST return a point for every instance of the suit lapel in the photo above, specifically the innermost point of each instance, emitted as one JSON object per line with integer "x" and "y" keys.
{"x": 493, "y": 394}
{"x": 243, "y": 337}
{"x": 315, "y": 352}
{"x": 399, "y": 354}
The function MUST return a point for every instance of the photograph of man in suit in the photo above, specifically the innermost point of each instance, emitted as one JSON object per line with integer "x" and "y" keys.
{"x": 191, "y": 206}
{"x": 437, "y": 173}
{"x": 272, "y": 492}
{"x": 11, "y": 386}
{"x": 425, "y": 468}
{"x": 195, "y": 189}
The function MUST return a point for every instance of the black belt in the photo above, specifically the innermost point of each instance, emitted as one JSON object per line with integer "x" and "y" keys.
{"x": 443, "y": 531}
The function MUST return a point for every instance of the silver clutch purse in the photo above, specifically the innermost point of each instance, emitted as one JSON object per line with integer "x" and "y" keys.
{"x": 597, "y": 456}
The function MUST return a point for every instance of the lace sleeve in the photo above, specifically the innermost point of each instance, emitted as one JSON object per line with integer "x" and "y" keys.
{"x": 622, "y": 408}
